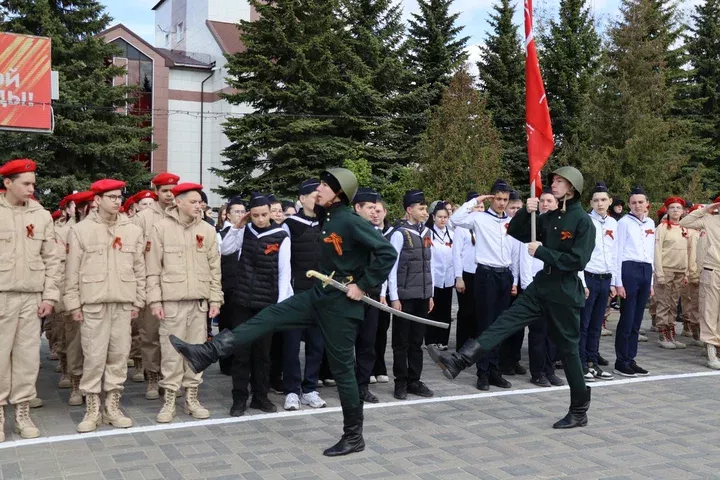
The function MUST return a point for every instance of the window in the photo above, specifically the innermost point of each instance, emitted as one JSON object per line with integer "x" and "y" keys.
{"x": 179, "y": 32}
{"x": 167, "y": 39}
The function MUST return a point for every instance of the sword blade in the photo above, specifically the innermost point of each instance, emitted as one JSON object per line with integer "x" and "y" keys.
{"x": 386, "y": 308}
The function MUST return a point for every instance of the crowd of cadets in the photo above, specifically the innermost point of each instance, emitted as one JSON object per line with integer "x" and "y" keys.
{"x": 112, "y": 281}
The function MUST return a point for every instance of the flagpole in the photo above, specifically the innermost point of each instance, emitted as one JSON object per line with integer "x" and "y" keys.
{"x": 533, "y": 225}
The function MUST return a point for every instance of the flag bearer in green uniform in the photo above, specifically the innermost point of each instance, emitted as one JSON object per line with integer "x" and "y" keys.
{"x": 359, "y": 256}
{"x": 556, "y": 295}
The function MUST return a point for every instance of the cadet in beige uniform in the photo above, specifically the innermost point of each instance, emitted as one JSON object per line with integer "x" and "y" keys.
{"x": 672, "y": 250}
{"x": 708, "y": 255}
{"x": 183, "y": 287}
{"x": 149, "y": 325}
{"x": 61, "y": 232}
{"x": 105, "y": 289}
{"x": 29, "y": 276}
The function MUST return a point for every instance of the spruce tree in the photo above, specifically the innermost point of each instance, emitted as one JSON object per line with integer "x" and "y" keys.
{"x": 435, "y": 50}
{"x": 570, "y": 53}
{"x": 700, "y": 96}
{"x": 461, "y": 148}
{"x": 308, "y": 89}
{"x": 91, "y": 139}
{"x": 634, "y": 139}
{"x": 502, "y": 81}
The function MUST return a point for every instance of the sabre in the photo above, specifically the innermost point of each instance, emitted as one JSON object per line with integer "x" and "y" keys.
{"x": 328, "y": 280}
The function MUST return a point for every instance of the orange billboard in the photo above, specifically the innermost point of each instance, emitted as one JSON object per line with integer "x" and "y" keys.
{"x": 25, "y": 83}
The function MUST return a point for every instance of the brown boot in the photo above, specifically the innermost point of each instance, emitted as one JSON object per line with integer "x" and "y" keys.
{"x": 23, "y": 424}
{"x": 92, "y": 414}
{"x": 76, "y": 398}
{"x": 167, "y": 413}
{"x": 192, "y": 404}
{"x": 673, "y": 336}
{"x": 153, "y": 387}
{"x": 138, "y": 372}
{"x": 112, "y": 415}
{"x": 64, "y": 377}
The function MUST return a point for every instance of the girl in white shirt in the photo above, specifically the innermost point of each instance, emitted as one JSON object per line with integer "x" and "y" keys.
{"x": 442, "y": 273}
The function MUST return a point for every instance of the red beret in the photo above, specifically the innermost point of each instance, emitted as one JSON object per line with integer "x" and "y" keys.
{"x": 106, "y": 185}
{"x": 128, "y": 203}
{"x": 186, "y": 187}
{"x": 165, "y": 179}
{"x": 144, "y": 194}
{"x": 66, "y": 200}
{"x": 84, "y": 197}
{"x": 662, "y": 211}
{"x": 56, "y": 214}
{"x": 13, "y": 167}
{"x": 672, "y": 200}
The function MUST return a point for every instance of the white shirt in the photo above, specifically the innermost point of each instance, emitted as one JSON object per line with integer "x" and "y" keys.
{"x": 442, "y": 258}
{"x": 463, "y": 252}
{"x": 603, "y": 258}
{"x": 493, "y": 246}
{"x": 529, "y": 266}
{"x": 219, "y": 237}
{"x": 396, "y": 239}
{"x": 635, "y": 243}
{"x": 233, "y": 243}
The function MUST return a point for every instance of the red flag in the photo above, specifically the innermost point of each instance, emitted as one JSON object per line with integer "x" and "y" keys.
{"x": 537, "y": 115}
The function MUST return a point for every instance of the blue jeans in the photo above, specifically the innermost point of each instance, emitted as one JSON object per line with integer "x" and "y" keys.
{"x": 637, "y": 280}
{"x": 592, "y": 316}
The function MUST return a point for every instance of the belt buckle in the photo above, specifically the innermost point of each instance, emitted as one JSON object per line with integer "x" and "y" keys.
{"x": 547, "y": 269}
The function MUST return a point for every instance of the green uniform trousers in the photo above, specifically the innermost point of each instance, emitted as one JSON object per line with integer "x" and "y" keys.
{"x": 315, "y": 308}
{"x": 563, "y": 325}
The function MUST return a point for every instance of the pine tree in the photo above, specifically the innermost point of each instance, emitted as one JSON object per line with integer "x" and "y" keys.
{"x": 700, "y": 96}
{"x": 435, "y": 50}
{"x": 308, "y": 89}
{"x": 502, "y": 81}
{"x": 91, "y": 140}
{"x": 634, "y": 140}
{"x": 461, "y": 148}
{"x": 570, "y": 53}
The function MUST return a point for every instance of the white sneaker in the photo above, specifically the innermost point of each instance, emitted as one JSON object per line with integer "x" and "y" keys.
{"x": 313, "y": 400}
{"x": 292, "y": 402}
{"x": 383, "y": 379}
{"x": 373, "y": 380}
{"x": 642, "y": 338}
{"x": 320, "y": 384}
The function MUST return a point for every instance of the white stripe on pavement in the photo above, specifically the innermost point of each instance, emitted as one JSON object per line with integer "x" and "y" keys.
{"x": 274, "y": 416}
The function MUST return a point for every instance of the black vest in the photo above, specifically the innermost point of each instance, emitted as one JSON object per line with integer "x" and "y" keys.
{"x": 305, "y": 248}
{"x": 414, "y": 272}
{"x": 229, "y": 269}
{"x": 257, "y": 274}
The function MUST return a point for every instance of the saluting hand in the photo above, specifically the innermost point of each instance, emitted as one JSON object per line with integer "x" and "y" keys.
{"x": 532, "y": 204}
{"x": 713, "y": 209}
{"x": 243, "y": 221}
{"x": 354, "y": 292}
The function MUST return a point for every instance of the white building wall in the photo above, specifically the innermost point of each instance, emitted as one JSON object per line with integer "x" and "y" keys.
{"x": 228, "y": 11}
{"x": 163, "y": 22}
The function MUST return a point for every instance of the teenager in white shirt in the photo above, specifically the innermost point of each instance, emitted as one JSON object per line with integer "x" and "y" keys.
{"x": 443, "y": 275}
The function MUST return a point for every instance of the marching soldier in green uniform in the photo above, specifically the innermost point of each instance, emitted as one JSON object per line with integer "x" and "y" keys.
{"x": 556, "y": 295}
{"x": 360, "y": 257}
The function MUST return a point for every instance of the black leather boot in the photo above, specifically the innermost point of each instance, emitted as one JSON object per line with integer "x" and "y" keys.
{"x": 453, "y": 363}
{"x": 577, "y": 415}
{"x": 201, "y": 356}
{"x": 352, "y": 439}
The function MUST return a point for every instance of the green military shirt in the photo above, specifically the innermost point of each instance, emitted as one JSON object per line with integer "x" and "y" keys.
{"x": 351, "y": 247}
{"x": 568, "y": 240}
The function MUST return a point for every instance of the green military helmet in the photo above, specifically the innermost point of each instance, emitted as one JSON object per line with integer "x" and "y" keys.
{"x": 572, "y": 175}
{"x": 344, "y": 179}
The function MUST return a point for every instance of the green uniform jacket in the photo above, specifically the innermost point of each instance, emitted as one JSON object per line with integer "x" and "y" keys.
{"x": 568, "y": 240}
{"x": 351, "y": 247}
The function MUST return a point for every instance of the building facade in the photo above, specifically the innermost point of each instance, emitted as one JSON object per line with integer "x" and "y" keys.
{"x": 180, "y": 80}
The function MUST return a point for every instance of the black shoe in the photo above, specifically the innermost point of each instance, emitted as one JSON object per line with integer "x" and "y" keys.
{"x": 276, "y": 385}
{"x": 540, "y": 381}
{"x": 201, "y": 356}
{"x": 401, "y": 390}
{"x": 483, "y": 383}
{"x": 624, "y": 371}
{"x": 367, "y": 396}
{"x": 420, "y": 389}
{"x": 497, "y": 380}
{"x": 515, "y": 369}
{"x": 638, "y": 369}
{"x": 519, "y": 369}
{"x": 602, "y": 362}
{"x": 263, "y": 404}
{"x": 238, "y": 407}
{"x": 555, "y": 381}
{"x": 577, "y": 414}
{"x": 352, "y": 439}
{"x": 452, "y": 363}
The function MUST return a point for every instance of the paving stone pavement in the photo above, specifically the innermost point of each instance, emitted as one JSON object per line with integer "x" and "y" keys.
{"x": 662, "y": 429}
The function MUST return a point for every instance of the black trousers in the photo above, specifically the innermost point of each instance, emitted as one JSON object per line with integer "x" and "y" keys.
{"x": 277, "y": 348}
{"x": 365, "y": 346}
{"x": 441, "y": 312}
{"x": 251, "y": 362}
{"x": 407, "y": 340}
{"x": 510, "y": 348}
{"x": 381, "y": 343}
{"x": 466, "y": 323}
{"x": 492, "y": 295}
{"x": 541, "y": 349}
{"x": 225, "y": 321}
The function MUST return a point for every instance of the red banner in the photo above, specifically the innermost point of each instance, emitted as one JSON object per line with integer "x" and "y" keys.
{"x": 25, "y": 83}
{"x": 537, "y": 114}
